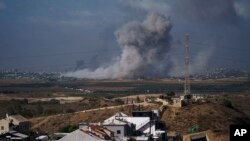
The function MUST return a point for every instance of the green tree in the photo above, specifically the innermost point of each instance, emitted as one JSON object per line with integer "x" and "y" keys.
{"x": 131, "y": 139}
{"x": 68, "y": 128}
{"x": 170, "y": 94}
{"x": 138, "y": 99}
{"x": 39, "y": 109}
{"x": 228, "y": 103}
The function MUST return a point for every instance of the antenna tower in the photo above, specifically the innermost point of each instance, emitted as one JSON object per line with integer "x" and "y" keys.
{"x": 187, "y": 80}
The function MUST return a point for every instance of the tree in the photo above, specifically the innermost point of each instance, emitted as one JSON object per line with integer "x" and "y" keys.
{"x": 138, "y": 99}
{"x": 131, "y": 139}
{"x": 170, "y": 94}
{"x": 189, "y": 96}
{"x": 39, "y": 109}
{"x": 68, "y": 128}
{"x": 228, "y": 103}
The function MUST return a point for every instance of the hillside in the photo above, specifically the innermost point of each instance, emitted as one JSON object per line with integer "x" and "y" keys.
{"x": 53, "y": 124}
{"x": 215, "y": 115}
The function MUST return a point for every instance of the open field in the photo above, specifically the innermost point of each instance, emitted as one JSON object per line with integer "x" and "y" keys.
{"x": 76, "y": 94}
{"x": 120, "y": 87}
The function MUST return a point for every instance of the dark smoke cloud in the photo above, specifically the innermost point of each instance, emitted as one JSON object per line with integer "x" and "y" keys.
{"x": 219, "y": 23}
{"x": 143, "y": 46}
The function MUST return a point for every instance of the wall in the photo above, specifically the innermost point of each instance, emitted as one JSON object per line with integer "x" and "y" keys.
{"x": 5, "y": 124}
{"x": 114, "y": 128}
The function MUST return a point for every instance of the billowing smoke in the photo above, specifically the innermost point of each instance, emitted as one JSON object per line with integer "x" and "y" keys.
{"x": 144, "y": 45}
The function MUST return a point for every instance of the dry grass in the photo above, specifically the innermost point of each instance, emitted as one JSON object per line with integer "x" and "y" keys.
{"x": 212, "y": 116}
{"x": 53, "y": 124}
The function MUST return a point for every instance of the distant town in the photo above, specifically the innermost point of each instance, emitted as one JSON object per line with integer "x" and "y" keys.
{"x": 217, "y": 73}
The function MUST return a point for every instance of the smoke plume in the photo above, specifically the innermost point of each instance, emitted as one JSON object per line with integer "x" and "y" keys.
{"x": 144, "y": 45}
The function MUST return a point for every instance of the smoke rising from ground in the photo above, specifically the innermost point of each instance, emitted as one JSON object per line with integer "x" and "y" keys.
{"x": 144, "y": 45}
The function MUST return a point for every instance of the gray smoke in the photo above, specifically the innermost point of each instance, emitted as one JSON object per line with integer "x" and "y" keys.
{"x": 144, "y": 45}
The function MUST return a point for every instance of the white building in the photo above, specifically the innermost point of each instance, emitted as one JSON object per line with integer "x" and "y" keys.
{"x": 141, "y": 125}
{"x": 14, "y": 122}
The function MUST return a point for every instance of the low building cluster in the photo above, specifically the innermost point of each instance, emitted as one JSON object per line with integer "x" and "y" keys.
{"x": 141, "y": 126}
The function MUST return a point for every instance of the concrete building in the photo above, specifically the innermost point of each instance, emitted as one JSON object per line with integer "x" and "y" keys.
{"x": 4, "y": 126}
{"x": 14, "y": 123}
{"x": 120, "y": 127}
{"x": 142, "y": 125}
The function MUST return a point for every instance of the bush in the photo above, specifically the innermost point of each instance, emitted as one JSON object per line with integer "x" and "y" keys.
{"x": 54, "y": 101}
{"x": 189, "y": 96}
{"x": 170, "y": 94}
{"x": 228, "y": 104}
{"x": 68, "y": 128}
{"x": 119, "y": 101}
{"x": 70, "y": 111}
{"x": 131, "y": 139}
{"x": 51, "y": 111}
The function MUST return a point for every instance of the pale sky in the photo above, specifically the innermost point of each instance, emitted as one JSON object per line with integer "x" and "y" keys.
{"x": 51, "y": 35}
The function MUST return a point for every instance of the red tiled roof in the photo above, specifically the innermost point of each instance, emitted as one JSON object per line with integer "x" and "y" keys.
{"x": 97, "y": 131}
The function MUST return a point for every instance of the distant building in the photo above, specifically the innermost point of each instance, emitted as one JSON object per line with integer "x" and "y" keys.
{"x": 90, "y": 133}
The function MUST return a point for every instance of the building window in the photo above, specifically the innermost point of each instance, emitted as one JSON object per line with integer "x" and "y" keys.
{"x": 2, "y": 127}
{"x": 118, "y": 131}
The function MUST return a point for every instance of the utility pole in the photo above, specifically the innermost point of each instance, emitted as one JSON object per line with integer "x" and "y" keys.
{"x": 187, "y": 80}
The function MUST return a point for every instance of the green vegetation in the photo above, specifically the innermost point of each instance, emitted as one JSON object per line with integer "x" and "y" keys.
{"x": 51, "y": 107}
{"x": 188, "y": 96}
{"x": 68, "y": 128}
{"x": 101, "y": 93}
{"x": 228, "y": 103}
{"x": 131, "y": 139}
{"x": 131, "y": 87}
{"x": 168, "y": 96}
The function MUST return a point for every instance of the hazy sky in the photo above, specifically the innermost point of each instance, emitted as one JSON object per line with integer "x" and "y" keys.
{"x": 47, "y": 35}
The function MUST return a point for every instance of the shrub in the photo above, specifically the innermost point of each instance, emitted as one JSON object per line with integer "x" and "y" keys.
{"x": 119, "y": 101}
{"x": 68, "y": 128}
{"x": 170, "y": 94}
{"x": 189, "y": 96}
{"x": 70, "y": 111}
{"x": 131, "y": 139}
{"x": 228, "y": 103}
